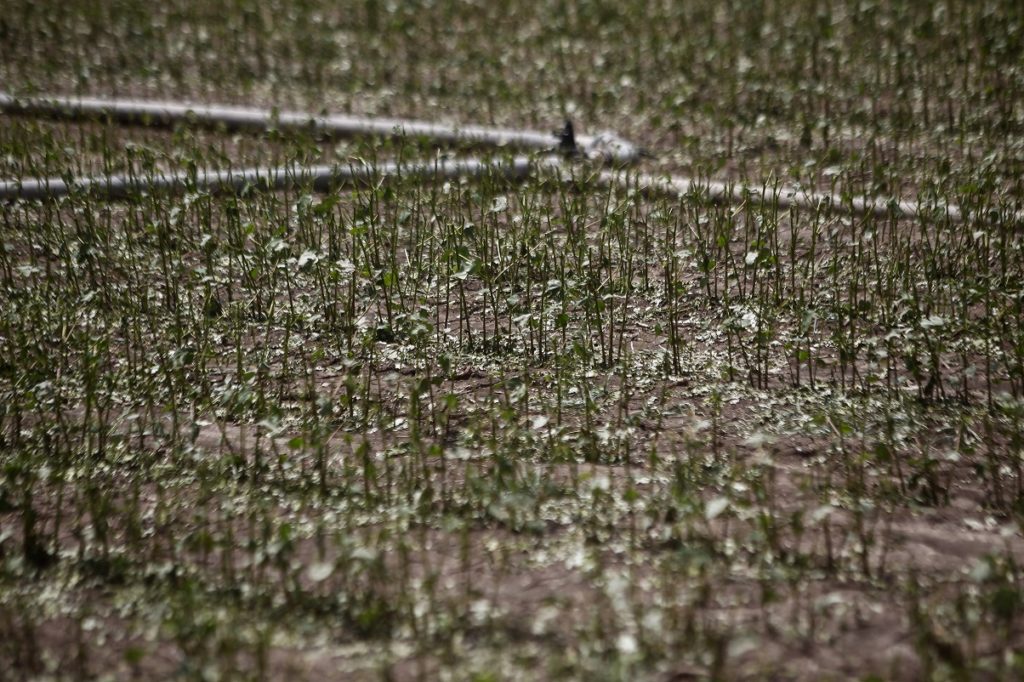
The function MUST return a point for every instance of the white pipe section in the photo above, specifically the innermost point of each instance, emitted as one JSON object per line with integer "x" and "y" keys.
{"x": 606, "y": 147}
{"x": 326, "y": 178}
{"x": 785, "y": 196}
{"x": 320, "y": 178}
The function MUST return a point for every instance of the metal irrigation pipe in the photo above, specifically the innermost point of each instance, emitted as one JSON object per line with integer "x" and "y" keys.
{"x": 321, "y": 178}
{"x": 326, "y": 178}
{"x": 784, "y": 196}
{"x": 607, "y": 147}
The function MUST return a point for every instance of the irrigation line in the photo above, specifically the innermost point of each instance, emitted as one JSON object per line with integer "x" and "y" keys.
{"x": 606, "y": 147}
{"x": 320, "y": 178}
{"x": 783, "y": 196}
{"x": 325, "y": 178}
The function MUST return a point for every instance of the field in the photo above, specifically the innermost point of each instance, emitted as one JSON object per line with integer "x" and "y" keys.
{"x": 486, "y": 430}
